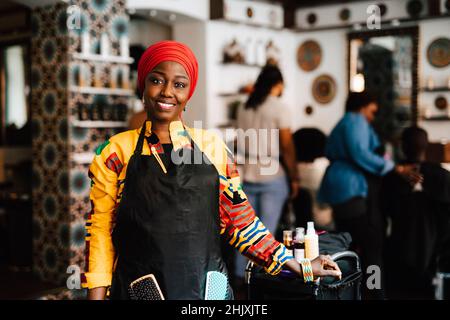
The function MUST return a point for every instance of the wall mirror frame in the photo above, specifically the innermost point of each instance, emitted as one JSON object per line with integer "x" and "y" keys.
{"x": 388, "y": 130}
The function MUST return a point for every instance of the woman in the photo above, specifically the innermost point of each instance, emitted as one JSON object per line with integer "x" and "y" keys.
{"x": 155, "y": 214}
{"x": 266, "y": 179}
{"x": 350, "y": 184}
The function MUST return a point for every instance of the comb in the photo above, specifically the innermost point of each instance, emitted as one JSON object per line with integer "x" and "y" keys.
{"x": 145, "y": 288}
{"x": 216, "y": 286}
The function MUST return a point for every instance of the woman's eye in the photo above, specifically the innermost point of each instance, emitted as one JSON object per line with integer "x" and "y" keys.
{"x": 156, "y": 81}
{"x": 180, "y": 85}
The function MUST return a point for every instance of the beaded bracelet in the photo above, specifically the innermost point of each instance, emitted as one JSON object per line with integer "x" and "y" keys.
{"x": 308, "y": 275}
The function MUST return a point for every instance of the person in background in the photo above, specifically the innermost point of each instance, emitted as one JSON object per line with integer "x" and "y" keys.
{"x": 311, "y": 163}
{"x": 419, "y": 214}
{"x": 267, "y": 192}
{"x": 351, "y": 182}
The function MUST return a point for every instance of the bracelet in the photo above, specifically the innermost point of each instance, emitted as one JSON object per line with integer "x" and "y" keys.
{"x": 308, "y": 275}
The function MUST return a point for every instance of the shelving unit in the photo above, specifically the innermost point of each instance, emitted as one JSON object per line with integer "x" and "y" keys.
{"x": 99, "y": 124}
{"x": 232, "y": 94}
{"x": 438, "y": 89}
{"x": 105, "y": 91}
{"x": 437, "y": 118}
{"x": 240, "y": 64}
{"x": 102, "y": 58}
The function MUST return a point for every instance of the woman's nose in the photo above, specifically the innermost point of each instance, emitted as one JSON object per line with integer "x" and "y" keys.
{"x": 166, "y": 91}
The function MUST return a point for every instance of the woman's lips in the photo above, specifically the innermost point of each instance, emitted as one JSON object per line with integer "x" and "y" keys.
{"x": 165, "y": 106}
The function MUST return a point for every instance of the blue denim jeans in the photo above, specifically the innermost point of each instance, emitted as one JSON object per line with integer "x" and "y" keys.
{"x": 267, "y": 199}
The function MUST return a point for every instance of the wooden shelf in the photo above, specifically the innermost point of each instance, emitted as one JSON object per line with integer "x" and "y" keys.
{"x": 232, "y": 94}
{"x": 240, "y": 64}
{"x": 438, "y": 89}
{"x": 437, "y": 118}
{"x": 104, "y": 91}
{"x": 101, "y": 58}
{"x": 99, "y": 124}
{"x": 83, "y": 158}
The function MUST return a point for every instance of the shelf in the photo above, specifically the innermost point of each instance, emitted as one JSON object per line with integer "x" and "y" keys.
{"x": 101, "y": 58}
{"x": 83, "y": 158}
{"x": 105, "y": 91}
{"x": 438, "y": 89}
{"x": 240, "y": 64}
{"x": 232, "y": 94}
{"x": 436, "y": 118}
{"x": 99, "y": 124}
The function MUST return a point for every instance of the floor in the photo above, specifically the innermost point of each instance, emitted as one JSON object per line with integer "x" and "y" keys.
{"x": 16, "y": 284}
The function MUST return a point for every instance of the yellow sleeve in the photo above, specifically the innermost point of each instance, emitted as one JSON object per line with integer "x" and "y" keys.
{"x": 100, "y": 255}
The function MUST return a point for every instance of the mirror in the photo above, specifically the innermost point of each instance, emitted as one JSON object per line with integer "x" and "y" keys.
{"x": 384, "y": 62}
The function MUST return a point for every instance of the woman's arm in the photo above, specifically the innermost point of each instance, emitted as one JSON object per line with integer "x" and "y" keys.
{"x": 97, "y": 293}
{"x": 103, "y": 172}
{"x": 357, "y": 141}
{"x": 242, "y": 228}
{"x": 290, "y": 159}
{"x": 247, "y": 233}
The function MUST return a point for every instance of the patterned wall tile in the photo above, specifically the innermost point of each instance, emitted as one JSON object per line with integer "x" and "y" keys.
{"x": 60, "y": 186}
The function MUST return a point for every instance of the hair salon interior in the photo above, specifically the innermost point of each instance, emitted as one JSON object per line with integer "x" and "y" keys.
{"x": 68, "y": 72}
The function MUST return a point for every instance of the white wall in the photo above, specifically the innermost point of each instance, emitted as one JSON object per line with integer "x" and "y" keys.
{"x": 198, "y": 9}
{"x": 193, "y": 34}
{"x": 429, "y": 31}
{"x": 146, "y": 32}
{"x": 333, "y": 63}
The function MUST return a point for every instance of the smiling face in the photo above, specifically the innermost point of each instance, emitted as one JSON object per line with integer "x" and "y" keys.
{"x": 166, "y": 92}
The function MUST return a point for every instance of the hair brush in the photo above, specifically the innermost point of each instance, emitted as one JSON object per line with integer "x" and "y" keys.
{"x": 216, "y": 286}
{"x": 145, "y": 288}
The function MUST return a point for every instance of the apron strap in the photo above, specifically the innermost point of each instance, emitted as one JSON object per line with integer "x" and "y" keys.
{"x": 140, "y": 143}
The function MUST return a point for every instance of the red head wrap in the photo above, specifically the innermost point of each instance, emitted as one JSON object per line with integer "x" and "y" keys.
{"x": 168, "y": 51}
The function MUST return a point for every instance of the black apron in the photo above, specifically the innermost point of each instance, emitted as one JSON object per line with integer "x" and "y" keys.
{"x": 168, "y": 224}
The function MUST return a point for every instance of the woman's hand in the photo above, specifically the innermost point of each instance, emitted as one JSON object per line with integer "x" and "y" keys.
{"x": 97, "y": 293}
{"x": 324, "y": 266}
{"x": 410, "y": 173}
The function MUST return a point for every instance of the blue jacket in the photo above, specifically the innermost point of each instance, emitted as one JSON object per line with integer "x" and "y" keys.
{"x": 351, "y": 151}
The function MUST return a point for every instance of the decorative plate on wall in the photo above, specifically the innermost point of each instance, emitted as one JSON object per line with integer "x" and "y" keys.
{"x": 344, "y": 14}
{"x": 309, "y": 55}
{"x": 309, "y": 110}
{"x": 311, "y": 18}
{"x": 440, "y": 103}
{"x": 414, "y": 8}
{"x": 249, "y": 12}
{"x": 438, "y": 53}
{"x": 383, "y": 9}
{"x": 324, "y": 88}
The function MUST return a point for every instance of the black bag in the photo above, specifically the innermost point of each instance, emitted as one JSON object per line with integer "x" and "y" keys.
{"x": 288, "y": 286}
